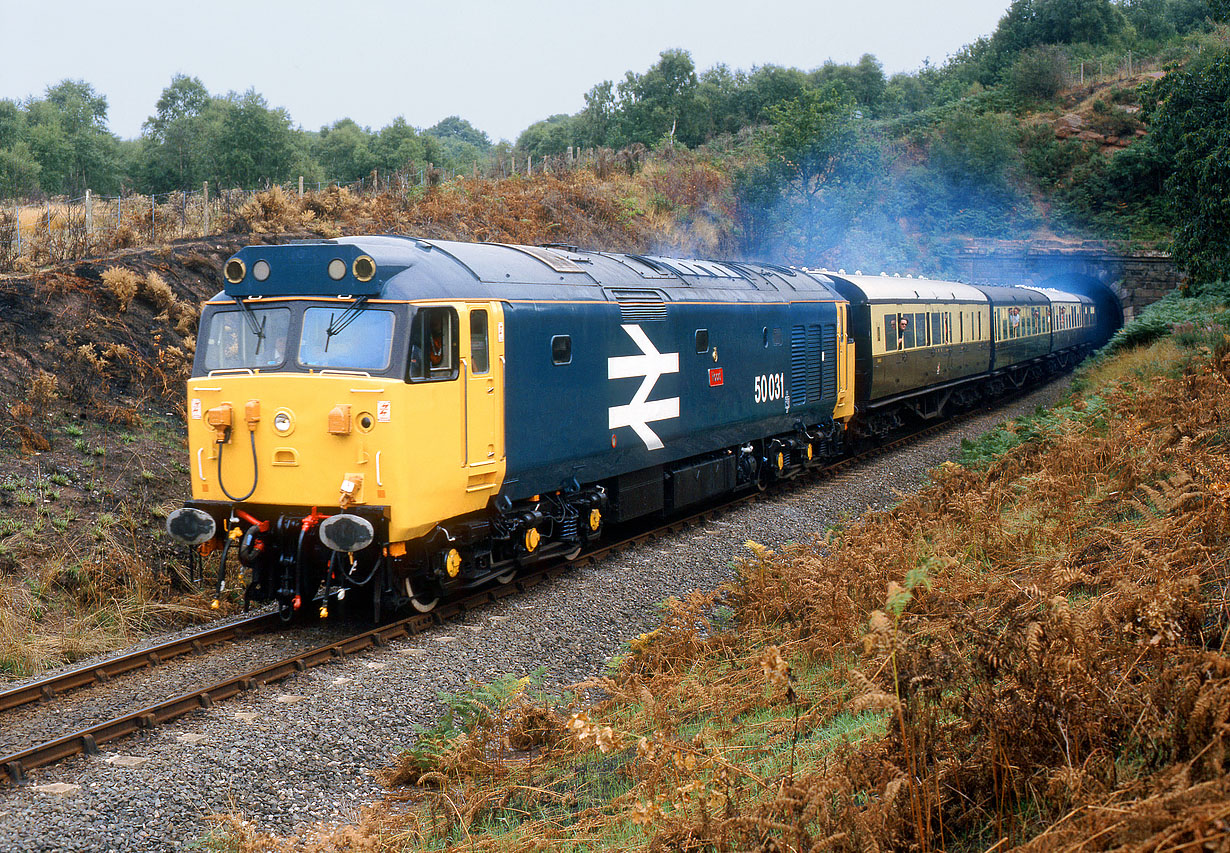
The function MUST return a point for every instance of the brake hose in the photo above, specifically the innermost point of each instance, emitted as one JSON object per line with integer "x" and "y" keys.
{"x": 255, "y": 471}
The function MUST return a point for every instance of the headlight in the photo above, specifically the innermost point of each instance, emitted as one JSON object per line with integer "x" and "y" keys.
{"x": 283, "y": 423}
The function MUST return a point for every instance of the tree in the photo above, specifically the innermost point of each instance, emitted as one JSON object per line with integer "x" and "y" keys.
{"x": 661, "y": 103}
{"x": 595, "y": 124}
{"x": 1029, "y": 23}
{"x": 254, "y": 144}
{"x": 549, "y": 137}
{"x": 864, "y": 81}
{"x": 68, "y": 137}
{"x": 19, "y": 171}
{"x": 1149, "y": 18}
{"x": 1038, "y": 72}
{"x": 398, "y": 145}
{"x": 455, "y": 127}
{"x": 344, "y": 151}
{"x": 819, "y": 166}
{"x": 1189, "y": 113}
{"x": 176, "y": 141}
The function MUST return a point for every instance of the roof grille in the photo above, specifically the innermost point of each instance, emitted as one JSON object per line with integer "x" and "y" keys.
{"x": 640, "y": 306}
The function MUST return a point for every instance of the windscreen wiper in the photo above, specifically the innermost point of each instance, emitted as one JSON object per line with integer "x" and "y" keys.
{"x": 256, "y": 327}
{"x": 336, "y": 326}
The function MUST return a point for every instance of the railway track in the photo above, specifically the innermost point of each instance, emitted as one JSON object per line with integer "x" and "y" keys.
{"x": 88, "y": 740}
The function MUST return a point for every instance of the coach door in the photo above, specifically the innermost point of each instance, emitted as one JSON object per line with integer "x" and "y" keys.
{"x": 483, "y": 371}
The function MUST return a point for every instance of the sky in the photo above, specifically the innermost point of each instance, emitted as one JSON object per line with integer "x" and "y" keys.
{"x": 500, "y": 65}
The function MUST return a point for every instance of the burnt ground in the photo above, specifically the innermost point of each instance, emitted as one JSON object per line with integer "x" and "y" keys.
{"x": 92, "y": 441}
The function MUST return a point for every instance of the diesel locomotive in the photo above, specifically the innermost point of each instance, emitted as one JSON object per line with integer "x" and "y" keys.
{"x": 400, "y": 419}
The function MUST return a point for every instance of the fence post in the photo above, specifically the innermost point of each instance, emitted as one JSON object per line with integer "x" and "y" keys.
{"x": 151, "y": 217}
{"x": 529, "y": 165}
{"x": 301, "y": 186}
{"x": 205, "y": 195}
{"x": 89, "y": 216}
{"x": 17, "y": 219}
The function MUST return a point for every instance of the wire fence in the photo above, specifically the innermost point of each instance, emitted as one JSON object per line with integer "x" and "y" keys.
{"x": 64, "y": 230}
{"x": 1125, "y": 67}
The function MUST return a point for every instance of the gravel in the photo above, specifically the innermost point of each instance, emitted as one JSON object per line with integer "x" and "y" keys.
{"x": 308, "y": 749}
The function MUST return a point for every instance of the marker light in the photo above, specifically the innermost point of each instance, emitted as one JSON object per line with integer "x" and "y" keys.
{"x": 337, "y": 269}
{"x": 235, "y": 270}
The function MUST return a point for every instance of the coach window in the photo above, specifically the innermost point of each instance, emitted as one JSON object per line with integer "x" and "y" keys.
{"x": 905, "y": 329}
{"x": 478, "y": 342}
{"x": 702, "y": 340}
{"x": 937, "y": 329}
{"x": 921, "y": 328}
{"x": 433, "y": 344}
{"x": 561, "y": 349}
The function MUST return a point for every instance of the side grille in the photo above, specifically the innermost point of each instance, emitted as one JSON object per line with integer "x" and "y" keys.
{"x": 829, "y": 365}
{"x": 798, "y": 366}
{"x": 640, "y": 306}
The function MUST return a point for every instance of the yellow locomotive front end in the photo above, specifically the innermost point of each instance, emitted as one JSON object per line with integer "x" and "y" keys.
{"x": 329, "y": 434}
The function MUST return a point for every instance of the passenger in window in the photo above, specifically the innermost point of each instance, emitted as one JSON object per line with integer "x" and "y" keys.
{"x": 1014, "y": 320}
{"x": 435, "y": 349}
{"x": 903, "y": 326}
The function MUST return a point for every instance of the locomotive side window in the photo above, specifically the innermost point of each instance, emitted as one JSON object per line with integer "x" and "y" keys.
{"x": 257, "y": 339}
{"x": 335, "y": 337}
{"x": 433, "y": 344}
{"x": 561, "y": 349}
{"x": 702, "y": 340}
{"x": 478, "y": 342}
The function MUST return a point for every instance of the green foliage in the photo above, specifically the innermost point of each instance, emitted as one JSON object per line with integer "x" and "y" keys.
{"x": 818, "y": 170}
{"x": 455, "y": 127}
{"x": 1202, "y": 306}
{"x": 1038, "y": 72}
{"x": 661, "y": 103}
{"x": 551, "y": 136}
{"x": 464, "y": 712}
{"x": 1190, "y": 113}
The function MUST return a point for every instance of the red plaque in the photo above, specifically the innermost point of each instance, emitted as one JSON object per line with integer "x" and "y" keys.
{"x": 715, "y": 377}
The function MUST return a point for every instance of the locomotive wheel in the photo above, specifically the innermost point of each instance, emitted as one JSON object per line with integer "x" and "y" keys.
{"x": 506, "y": 578}
{"x": 422, "y": 605}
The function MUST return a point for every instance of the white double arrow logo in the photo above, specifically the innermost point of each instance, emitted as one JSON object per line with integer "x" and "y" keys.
{"x": 642, "y": 411}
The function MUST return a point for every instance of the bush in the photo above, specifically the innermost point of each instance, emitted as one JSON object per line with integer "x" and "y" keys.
{"x": 1199, "y": 310}
{"x": 1038, "y": 73}
{"x": 1110, "y": 120}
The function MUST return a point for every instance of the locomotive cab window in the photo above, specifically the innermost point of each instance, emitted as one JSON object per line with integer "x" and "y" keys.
{"x": 702, "y": 340}
{"x": 255, "y": 338}
{"x": 346, "y": 338}
{"x": 433, "y": 344}
{"x": 481, "y": 362}
{"x": 561, "y": 349}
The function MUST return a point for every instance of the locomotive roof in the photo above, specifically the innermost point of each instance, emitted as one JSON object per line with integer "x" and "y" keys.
{"x": 410, "y": 268}
{"x": 885, "y": 288}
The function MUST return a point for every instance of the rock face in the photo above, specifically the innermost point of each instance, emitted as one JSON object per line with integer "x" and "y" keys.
{"x": 1069, "y": 125}
{"x": 1074, "y": 126}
